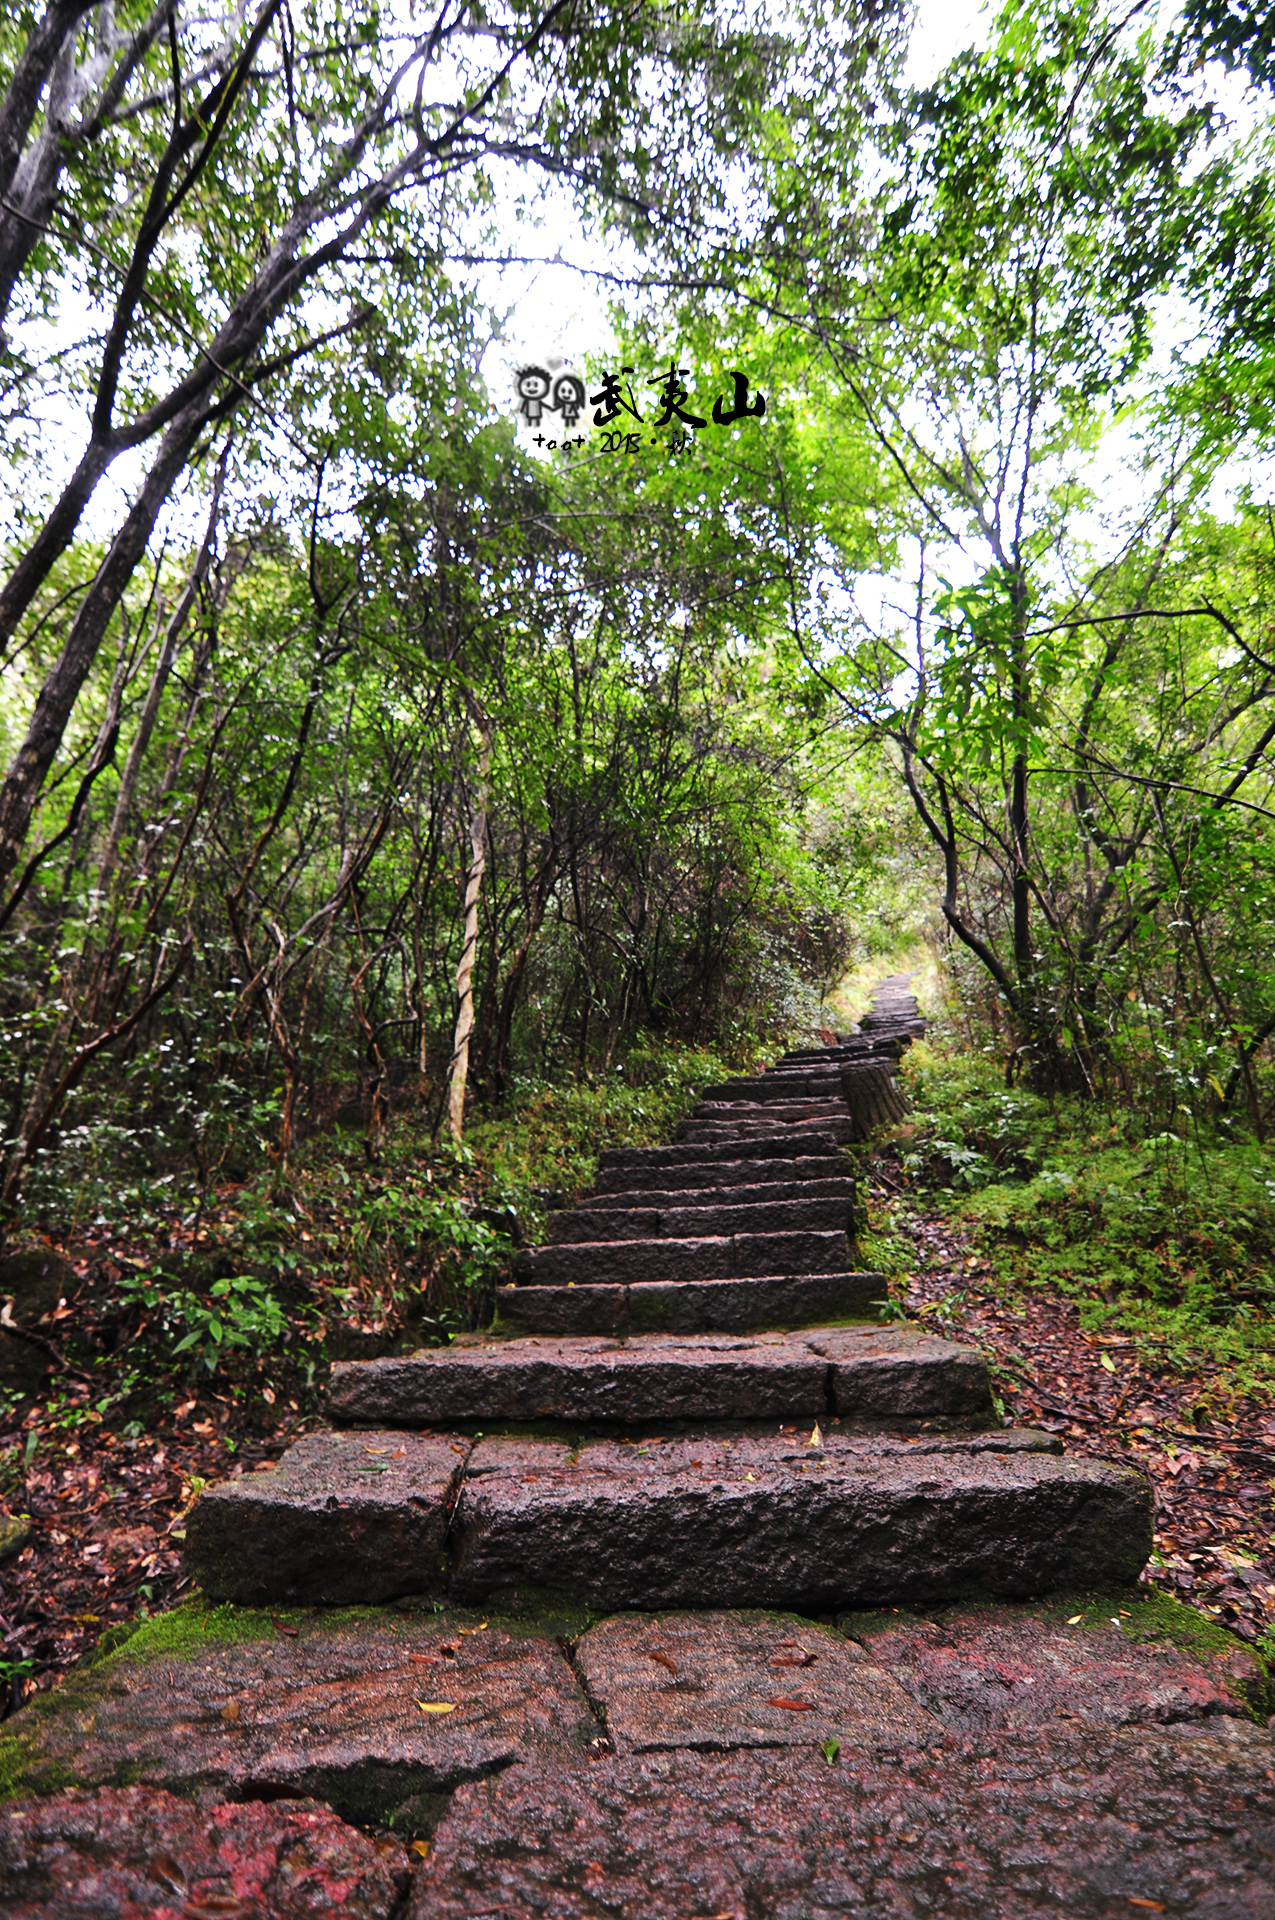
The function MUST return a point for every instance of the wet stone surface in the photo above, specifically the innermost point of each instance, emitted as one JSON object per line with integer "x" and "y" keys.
{"x": 719, "y": 1680}
{"x": 367, "y": 1714}
{"x": 601, "y": 1380}
{"x": 982, "y": 1667}
{"x": 760, "y": 1522}
{"x": 346, "y": 1518}
{"x": 124, "y": 1853}
{"x": 1023, "y": 1825}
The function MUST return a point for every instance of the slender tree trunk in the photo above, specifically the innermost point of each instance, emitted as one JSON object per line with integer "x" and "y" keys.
{"x": 469, "y": 946}
{"x": 61, "y": 689}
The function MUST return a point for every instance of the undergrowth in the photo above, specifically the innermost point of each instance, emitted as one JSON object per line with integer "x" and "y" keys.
{"x": 254, "y": 1287}
{"x": 1167, "y": 1237}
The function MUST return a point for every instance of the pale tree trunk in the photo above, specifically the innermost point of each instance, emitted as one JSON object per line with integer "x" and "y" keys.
{"x": 469, "y": 944}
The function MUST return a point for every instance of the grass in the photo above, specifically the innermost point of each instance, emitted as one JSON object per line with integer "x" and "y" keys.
{"x": 1169, "y": 1239}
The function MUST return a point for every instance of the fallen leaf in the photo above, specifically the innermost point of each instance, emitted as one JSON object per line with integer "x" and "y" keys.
{"x": 424, "y": 1659}
{"x": 368, "y": 1449}
{"x": 831, "y": 1750}
{"x": 482, "y": 1628}
{"x": 168, "y": 1873}
{"x": 231, "y": 1712}
{"x": 421, "y": 1847}
{"x": 664, "y": 1661}
{"x": 1075, "y": 1620}
{"x": 437, "y": 1706}
{"x": 1106, "y": 1362}
{"x": 1151, "y": 1906}
{"x": 793, "y": 1706}
{"x": 816, "y": 1438}
{"x": 801, "y": 1659}
{"x": 292, "y": 1632}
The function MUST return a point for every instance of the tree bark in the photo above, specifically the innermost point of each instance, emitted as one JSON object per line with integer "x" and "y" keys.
{"x": 459, "y": 1074}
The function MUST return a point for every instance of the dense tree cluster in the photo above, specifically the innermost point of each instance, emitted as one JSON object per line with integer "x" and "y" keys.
{"x": 354, "y": 755}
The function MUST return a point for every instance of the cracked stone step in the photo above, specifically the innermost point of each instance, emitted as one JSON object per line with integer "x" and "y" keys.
{"x": 325, "y": 1706}
{"x": 741, "y": 1305}
{"x": 984, "y": 1667}
{"x": 692, "y": 1522}
{"x": 769, "y": 1110}
{"x": 871, "y": 1373}
{"x": 617, "y": 1158}
{"x": 703, "y": 1257}
{"x": 818, "y": 1212}
{"x": 709, "y": 1521}
{"x": 701, "y": 1176}
{"x": 123, "y": 1853}
{"x": 736, "y": 1134}
{"x": 1028, "y": 1826}
{"x": 637, "y": 1200}
{"x": 771, "y": 1087}
{"x": 343, "y": 1518}
{"x": 742, "y": 1679}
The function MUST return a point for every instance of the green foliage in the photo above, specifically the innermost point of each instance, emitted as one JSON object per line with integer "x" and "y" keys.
{"x": 1167, "y": 1236}
{"x": 238, "y": 1312}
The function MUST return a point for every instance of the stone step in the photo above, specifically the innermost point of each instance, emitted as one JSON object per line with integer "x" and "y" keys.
{"x": 684, "y": 1155}
{"x": 867, "y": 1373}
{"x": 740, "y": 1305}
{"x": 638, "y": 1199}
{"x": 749, "y": 1520}
{"x": 770, "y": 1112}
{"x": 701, "y": 1176}
{"x": 827, "y": 1213}
{"x": 727, "y": 1134}
{"x": 769, "y": 1087}
{"x": 703, "y": 1257}
{"x": 879, "y": 1047}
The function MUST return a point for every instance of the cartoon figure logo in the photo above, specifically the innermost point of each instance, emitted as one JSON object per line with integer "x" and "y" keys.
{"x": 533, "y": 386}
{"x": 568, "y": 397}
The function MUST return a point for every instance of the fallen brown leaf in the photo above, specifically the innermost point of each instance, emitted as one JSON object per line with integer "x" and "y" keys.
{"x": 792, "y": 1706}
{"x": 664, "y": 1661}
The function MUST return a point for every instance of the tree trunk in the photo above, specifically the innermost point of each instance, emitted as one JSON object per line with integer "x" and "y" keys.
{"x": 469, "y": 946}
{"x": 874, "y": 1098}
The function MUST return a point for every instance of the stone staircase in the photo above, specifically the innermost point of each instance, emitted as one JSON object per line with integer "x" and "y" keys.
{"x": 689, "y": 1592}
{"x": 686, "y": 1402}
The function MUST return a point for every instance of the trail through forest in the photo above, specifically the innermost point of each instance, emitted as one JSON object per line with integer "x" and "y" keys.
{"x": 107, "y": 1510}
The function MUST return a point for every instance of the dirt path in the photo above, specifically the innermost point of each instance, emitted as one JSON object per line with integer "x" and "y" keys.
{"x": 1215, "y": 1521}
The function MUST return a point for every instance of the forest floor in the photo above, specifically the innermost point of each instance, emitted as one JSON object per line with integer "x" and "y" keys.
{"x": 107, "y": 1507}
{"x": 1213, "y": 1476}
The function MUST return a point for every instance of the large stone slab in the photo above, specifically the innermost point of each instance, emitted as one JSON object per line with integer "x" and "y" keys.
{"x": 749, "y": 1193}
{"x": 983, "y": 1667}
{"x": 899, "y": 1372}
{"x": 875, "y": 1373}
{"x": 589, "y": 1382}
{"x": 718, "y": 1680}
{"x": 775, "y": 1136}
{"x": 717, "y": 1257}
{"x": 698, "y": 1522}
{"x": 692, "y": 1306}
{"x": 1043, "y": 1825}
{"x": 124, "y": 1853}
{"x": 344, "y": 1518}
{"x": 614, "y": 1158}
{"x": 701, "y": 1175}
{"x": 824, "y": 1213}
{"x": 790, "y": 1085}
{"x": 328, "y": 1707}
{"x": 763, "y": 1300}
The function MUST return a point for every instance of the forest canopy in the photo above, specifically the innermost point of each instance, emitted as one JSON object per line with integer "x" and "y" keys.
{"x": 362, "y": 755}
